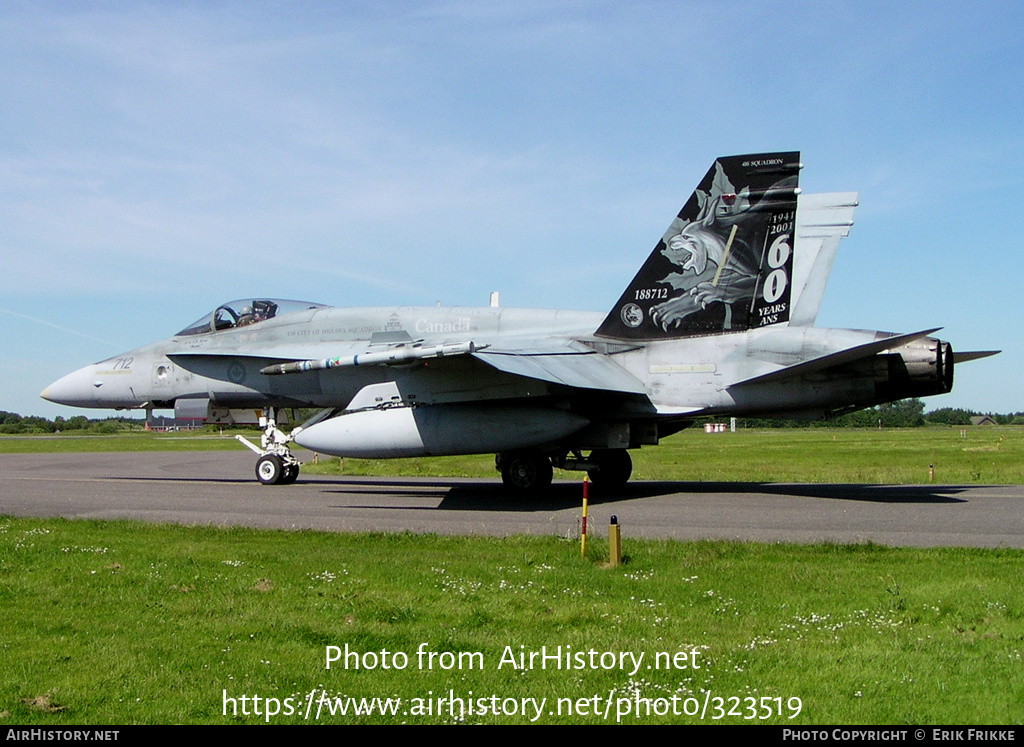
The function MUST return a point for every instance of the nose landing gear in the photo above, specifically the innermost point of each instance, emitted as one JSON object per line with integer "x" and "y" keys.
{"x": 276, "y": 464}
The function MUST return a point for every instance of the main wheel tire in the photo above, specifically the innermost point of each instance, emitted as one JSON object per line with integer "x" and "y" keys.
{"x": 526, "y": 472}
{"x": 614, "y": 468}
{"x": 291, "y": 474}
{"x": 269, "y": 469}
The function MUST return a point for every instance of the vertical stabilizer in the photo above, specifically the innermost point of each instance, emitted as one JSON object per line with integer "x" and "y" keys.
{"x": 726, "y": 262}
{"x": 821, "y": 221}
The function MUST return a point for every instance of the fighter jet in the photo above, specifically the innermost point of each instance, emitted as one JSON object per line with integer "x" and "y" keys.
{"x": 719, "y": 321}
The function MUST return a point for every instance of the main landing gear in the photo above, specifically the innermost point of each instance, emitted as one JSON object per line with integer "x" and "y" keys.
{"x": 524, "y": 471}
{"x": 609, "y": 469}
{"x": 276, "y": 464}
{"x": 531, "y": 471}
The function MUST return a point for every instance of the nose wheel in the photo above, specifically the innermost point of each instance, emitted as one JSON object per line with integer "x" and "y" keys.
{"x": 291, "y": 474}
{"x": 269, "y": 469}
{"x": 272, "y": 470}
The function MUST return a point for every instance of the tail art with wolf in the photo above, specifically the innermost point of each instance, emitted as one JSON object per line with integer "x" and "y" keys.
{"x": 725, "y": 263}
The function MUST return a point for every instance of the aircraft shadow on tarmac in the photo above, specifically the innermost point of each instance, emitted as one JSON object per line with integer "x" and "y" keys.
{"x": 492, "y": 496}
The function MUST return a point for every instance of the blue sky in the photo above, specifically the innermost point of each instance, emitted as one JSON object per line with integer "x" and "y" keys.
{"x": 157, "y": 159}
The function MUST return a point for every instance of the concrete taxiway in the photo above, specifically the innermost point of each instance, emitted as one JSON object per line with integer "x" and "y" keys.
{"x": 219, "y": 488}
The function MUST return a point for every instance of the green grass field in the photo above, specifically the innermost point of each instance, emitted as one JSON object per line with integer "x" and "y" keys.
{"x": 117, "y": 623}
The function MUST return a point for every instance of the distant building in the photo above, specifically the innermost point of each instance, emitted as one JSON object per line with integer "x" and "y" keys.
{"x": 982, "y": 420}
{"x": 159, "y": 424}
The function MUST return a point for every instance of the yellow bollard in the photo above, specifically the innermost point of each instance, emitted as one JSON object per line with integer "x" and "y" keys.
{"x": 583, "y": 525}
{"x": 614, "y": 543}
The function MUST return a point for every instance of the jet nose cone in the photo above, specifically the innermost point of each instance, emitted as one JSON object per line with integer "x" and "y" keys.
{"x": 78, "y": 389}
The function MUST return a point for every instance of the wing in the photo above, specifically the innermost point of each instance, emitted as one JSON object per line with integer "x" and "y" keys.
{"x": 567, "y": 364}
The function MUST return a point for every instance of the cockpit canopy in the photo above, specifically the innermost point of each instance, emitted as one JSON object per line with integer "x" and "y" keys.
{"x": 245, "y": 312}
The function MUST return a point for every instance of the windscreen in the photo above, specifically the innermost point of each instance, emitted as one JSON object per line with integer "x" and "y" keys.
{"x": 245, "y": 312}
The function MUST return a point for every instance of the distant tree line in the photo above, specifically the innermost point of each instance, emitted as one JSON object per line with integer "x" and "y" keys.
{"x": 907, "y": 413}
{"x": 11, "y": 422}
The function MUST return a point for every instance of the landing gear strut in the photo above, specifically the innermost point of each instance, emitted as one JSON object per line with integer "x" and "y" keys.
{"x": 276, "y": 465}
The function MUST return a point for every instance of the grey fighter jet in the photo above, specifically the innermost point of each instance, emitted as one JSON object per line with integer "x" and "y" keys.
{"x": 718, "y": 321}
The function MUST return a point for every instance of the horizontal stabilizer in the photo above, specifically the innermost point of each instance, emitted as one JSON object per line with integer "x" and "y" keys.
{"x": 973, "y": 355}
{"x": 836, "y": 359}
